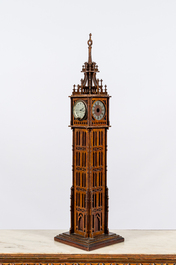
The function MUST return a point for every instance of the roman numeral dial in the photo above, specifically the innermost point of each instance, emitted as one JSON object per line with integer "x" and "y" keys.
{"x": 98, "y": 110}
{"x": 79, "y": 110}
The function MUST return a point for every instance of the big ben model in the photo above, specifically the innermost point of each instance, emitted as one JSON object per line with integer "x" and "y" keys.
{"x": 89, "y": 192}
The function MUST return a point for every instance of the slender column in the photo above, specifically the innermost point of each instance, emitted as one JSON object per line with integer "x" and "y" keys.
{"x": 72, "y": 188}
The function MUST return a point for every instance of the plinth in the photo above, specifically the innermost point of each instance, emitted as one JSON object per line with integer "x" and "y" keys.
{"x": 88, "y": 244}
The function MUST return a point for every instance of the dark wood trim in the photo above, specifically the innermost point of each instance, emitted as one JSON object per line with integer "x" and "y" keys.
{"x": 89, "y": 95}
{"x": 87, "y": 258}
{"x": 90, "y": 127}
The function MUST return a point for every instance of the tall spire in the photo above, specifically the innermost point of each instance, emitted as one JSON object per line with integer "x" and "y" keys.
{"x": 90, "y": 84}
{"x": 90, "y": 42}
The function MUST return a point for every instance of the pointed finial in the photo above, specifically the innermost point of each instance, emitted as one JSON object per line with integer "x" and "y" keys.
{"x": 90, "y": 42}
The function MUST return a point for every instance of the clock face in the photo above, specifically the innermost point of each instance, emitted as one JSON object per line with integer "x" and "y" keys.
{"x": 98, "y": 110}
{"x": 79, "y": 110}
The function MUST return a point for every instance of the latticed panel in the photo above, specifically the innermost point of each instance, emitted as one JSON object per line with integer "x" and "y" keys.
{"x": 80, "y": 180}
{"x": 98, "y": 181}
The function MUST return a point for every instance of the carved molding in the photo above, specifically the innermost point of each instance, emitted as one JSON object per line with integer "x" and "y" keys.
{"x": 96, "y": 189}
{"x": 80, "y": 169}
{"x": 81, "y": 148}
{"x": 94, "y": 259}
{"x": 81, "y": 209}
{"x": 98, "y": 169}
{"x": 97, "y": 148}
{"x": 80, "y": 189}
{"x": 87, "y": 263}
{"x": 106, "y": 263}
{"x": 96, "y": 210}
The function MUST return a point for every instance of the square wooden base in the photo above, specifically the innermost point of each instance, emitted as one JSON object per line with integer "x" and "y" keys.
{"x": 88, "y": 243}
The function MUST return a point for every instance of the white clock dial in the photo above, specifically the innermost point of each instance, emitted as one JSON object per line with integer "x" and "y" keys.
{"x": 98, "y": 110}
{"x": 79, "y": 110}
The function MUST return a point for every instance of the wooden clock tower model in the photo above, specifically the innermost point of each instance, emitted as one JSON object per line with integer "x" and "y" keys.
{"x": 89, "y": 192}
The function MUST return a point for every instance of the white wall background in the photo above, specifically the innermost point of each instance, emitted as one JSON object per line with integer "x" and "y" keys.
{"x": 43, "y": 45}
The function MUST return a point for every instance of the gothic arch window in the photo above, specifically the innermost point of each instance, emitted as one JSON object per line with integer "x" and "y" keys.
{"x": 83, "y": 200}
{"x": 101, "y": 141}
{"x": 80, "y": 222}
{"x": 78, "y": 158}
{"x": 94, "y": 200}
{"x": 84, "y": 159}
{"x": 94, "y": 179}
{"x": 77, "y": 138}
{"x": 100, "y": 179}
{"x": 100, "y": 158}
{"x": 83, "y": 179}
{"x": 97, "y": 222}
{"x": 94, "y": 159}
{"x": 77, "y": 199}
{"x": 83, "y": 138}
{"x": 94, "y": 138}
{"x": 100, "y": 138}
{"x": 77, "y": 178}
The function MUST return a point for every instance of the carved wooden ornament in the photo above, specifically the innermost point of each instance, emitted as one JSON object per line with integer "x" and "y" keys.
{"x": 89, "y": 192}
